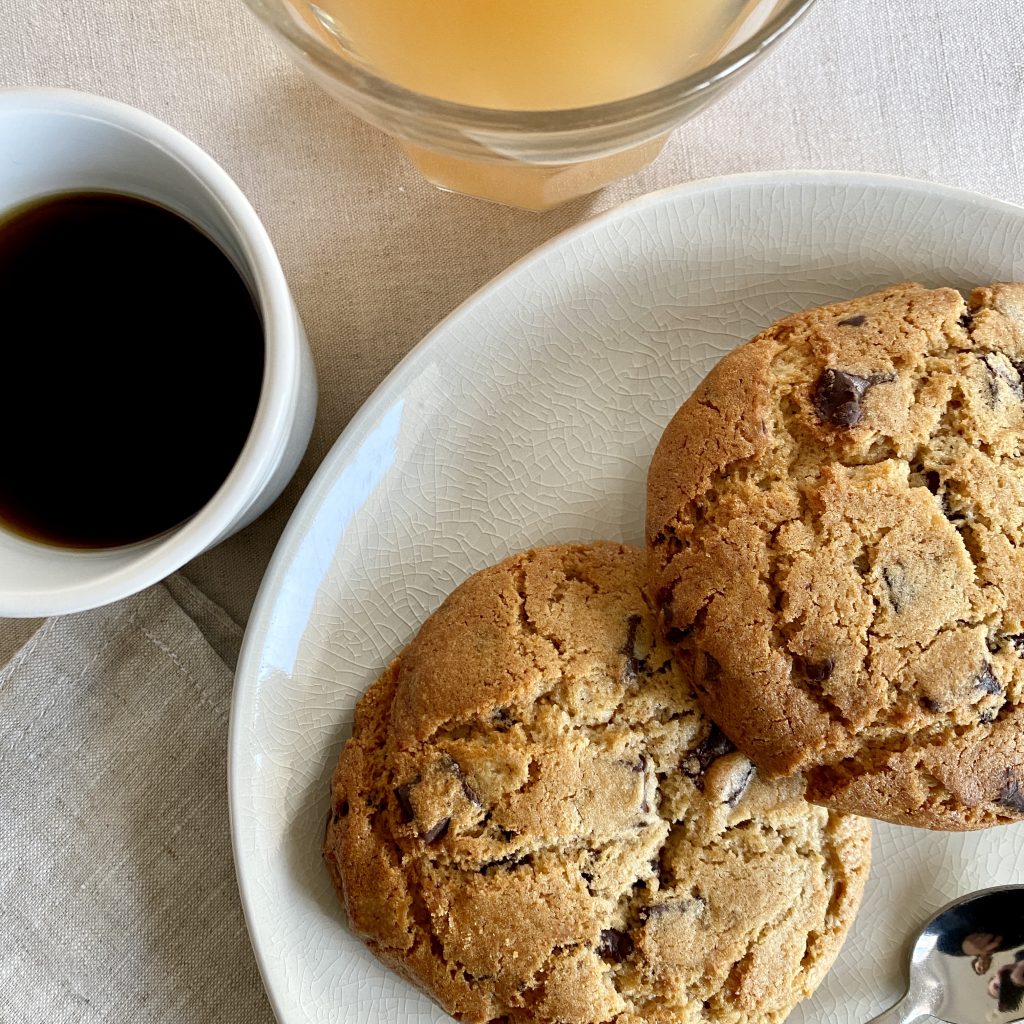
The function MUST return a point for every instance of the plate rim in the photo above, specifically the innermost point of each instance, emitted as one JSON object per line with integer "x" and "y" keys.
{"x": 384, "y": 395}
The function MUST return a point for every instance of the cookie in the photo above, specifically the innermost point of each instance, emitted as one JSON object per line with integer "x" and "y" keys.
{"x": 533, "y": 820}
{"x": 835, "y": 529}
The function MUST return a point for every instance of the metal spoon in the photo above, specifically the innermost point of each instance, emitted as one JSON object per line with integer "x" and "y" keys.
{"x": 967, "y": 965}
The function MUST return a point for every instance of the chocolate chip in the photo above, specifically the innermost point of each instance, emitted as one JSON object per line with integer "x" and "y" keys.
{"x": 933, "y": 480}
{"x": 854, "y": 321}
{"x": 615, "y": 946}
{"x": 402, "y": 796}
{"x": 632, "y": 626}
{"x": 988, "y": 716}
{"x": 436, "y": 832}
{"x": 1011, "y": 795}
{"x": 470, "y": 793}
{"x": 633, "y": 665}
{"x": 587, "y": 877}
{"x": 838, "y": 395}
{"x": 819, "y": 671}
{"x": 999, "y": 372}
{"x": 1017, "y": 639}
{"x": 993, "y": 382}
{"x": 715, "y": 745}
{"x": 987, "y": 681}
{"x": 966, "y": 321}
{"x": 739, "y": 785}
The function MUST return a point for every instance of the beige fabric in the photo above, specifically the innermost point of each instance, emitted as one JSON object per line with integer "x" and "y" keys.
{"x": 116, "y": 889}
{"x": 13, "y": 633}
{"x": 117, "y": 892}
{"x": 927, "y": 89}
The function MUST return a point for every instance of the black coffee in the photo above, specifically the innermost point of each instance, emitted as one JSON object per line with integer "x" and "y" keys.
{"x": 131, "y": 356}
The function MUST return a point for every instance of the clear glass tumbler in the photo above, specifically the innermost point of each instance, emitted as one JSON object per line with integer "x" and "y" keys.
{"x": 534, "y": 159}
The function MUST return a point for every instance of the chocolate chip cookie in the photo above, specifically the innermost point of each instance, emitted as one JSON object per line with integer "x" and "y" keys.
{"x": 533, "y": 820}
{"x": 836, "y": 539}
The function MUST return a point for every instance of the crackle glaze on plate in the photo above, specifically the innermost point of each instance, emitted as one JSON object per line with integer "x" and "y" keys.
{"x": 529, "y": 417}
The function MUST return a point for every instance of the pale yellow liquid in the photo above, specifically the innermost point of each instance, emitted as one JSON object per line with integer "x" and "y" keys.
{"x": 529, "y": 54}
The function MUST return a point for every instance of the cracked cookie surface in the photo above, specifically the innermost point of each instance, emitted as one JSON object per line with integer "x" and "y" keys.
{"x": 835, "y": 530}
{"x": 534, "y": 821}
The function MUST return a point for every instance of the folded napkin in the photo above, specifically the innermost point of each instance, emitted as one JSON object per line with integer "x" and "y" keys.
{"x": 117, "y": 889}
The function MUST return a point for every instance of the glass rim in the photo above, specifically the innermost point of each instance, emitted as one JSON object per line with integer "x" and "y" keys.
{"x": 407, "y": 101}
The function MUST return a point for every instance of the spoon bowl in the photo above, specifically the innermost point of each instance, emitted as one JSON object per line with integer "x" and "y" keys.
{"x": 967, "y": 963}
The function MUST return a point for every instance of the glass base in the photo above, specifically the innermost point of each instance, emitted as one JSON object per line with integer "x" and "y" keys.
{"x": 529, "y": 186}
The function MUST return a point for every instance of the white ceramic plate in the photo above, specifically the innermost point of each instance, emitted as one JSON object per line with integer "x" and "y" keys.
{"x": 528, "y": 417}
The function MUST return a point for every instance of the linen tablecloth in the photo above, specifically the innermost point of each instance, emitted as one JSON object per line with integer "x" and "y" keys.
{"x": 116, "y": 895}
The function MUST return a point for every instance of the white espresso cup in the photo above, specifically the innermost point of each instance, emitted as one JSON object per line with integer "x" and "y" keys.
{"x": 53, "y": 141}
